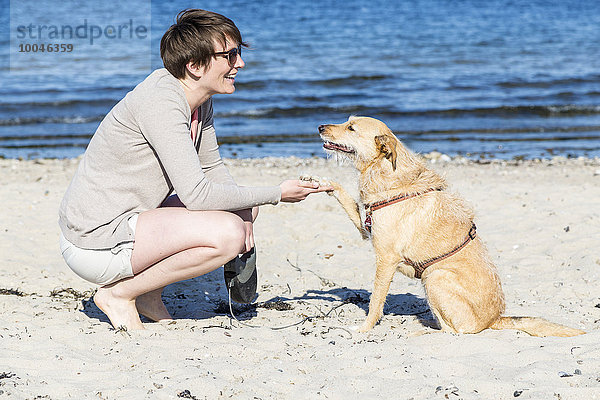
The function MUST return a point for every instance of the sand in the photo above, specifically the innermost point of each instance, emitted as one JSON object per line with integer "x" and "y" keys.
{"x": 540, "y": 220}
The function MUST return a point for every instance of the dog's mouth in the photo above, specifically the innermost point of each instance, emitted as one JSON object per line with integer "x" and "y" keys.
{"x": 338, "y": 147}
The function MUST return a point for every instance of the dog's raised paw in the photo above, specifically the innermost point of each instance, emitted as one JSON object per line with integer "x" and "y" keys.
{"x": 306, "y": 178}
{"x": 321, "y": 181}
{"x": 312, "y": 178}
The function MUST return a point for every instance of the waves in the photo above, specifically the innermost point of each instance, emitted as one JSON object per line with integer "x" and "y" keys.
{"x": 18, "y": 121}
{"x": 499, "y": 134}
{"x": 267, "y": 113}
{"x": 500, "y": 82}
{"x": 487, "y": 116}
{"x": 518, "y": 110}
{"x": 515, "y": 82}
{"x": 342, "y": 81}
{"x": 381, "y": 95}
{"x": 557, "y": 110}
{"x": 55, "y": 104}
{"x": 541, "y": 83}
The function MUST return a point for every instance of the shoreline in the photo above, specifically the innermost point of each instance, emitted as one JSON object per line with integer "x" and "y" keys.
{"x": 431, "y": 157}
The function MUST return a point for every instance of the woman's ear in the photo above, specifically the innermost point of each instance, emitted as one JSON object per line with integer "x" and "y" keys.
{"x": 195, "y": 70}
{"x": 387, "y": 148}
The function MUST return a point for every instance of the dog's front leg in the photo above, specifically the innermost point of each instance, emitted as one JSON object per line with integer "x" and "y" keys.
{"x": 350, "y": 206}
{"x": 386, "y": 267}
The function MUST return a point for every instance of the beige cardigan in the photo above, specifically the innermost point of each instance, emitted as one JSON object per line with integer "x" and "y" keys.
{"x": 141, "y": 153}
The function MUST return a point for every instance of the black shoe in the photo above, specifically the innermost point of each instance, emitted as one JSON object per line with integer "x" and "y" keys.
{"x": 241, "y": 278}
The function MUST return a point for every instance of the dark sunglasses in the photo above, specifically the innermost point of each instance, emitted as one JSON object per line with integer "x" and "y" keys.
{"x": 231, "y": 55}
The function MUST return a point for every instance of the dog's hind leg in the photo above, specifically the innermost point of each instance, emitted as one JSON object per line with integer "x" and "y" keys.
{"x": 350, "y": 206}
{"x": 450, "y": 304}
{"x": 383, "y": 277}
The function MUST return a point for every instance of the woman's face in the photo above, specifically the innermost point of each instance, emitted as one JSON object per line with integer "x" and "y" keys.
{"x": 219, "y": 76}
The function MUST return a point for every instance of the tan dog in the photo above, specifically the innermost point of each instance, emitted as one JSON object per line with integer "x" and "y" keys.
{"x": 424, "y": 229}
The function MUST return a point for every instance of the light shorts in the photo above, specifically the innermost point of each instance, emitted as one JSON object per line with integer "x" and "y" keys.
{"x": 101, "y": 267}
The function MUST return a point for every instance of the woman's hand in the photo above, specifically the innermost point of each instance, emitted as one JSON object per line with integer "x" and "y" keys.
{"x": 294, "y": 190}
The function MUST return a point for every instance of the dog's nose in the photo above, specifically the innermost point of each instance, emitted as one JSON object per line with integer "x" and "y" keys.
{"x": 321, "y": 128}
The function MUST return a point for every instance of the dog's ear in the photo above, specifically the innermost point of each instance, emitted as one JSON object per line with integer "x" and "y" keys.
{"x": 387, "y": 148}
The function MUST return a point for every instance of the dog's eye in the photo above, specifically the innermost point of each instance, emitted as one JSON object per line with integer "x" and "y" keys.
{"x": 350, "y": 128}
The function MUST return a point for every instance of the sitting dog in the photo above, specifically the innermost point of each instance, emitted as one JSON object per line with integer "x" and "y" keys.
{"x": 422, "y": 230}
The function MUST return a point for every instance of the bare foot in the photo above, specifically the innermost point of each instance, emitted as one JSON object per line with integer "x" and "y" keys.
{"x": 121, "y": 312}
{"x": 151, "y": 306}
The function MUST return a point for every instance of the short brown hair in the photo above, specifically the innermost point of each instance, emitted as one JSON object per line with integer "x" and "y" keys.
{"x": 192, "y": 38}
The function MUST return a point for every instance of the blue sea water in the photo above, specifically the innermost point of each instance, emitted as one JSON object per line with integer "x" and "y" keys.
{"x": 501, "y": 78}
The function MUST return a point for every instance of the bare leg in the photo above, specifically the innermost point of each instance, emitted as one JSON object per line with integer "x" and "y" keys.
{"x": 151, "y": 306}
{"x": 171, "y": 244}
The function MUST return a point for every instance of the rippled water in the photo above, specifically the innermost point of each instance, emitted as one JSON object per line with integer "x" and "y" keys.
{"x": 503, "y": 79}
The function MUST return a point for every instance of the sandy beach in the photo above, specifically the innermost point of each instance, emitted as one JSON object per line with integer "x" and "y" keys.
{"x": 539, "y": 219}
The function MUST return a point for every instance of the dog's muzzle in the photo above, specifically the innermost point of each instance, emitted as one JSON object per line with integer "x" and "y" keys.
{"x": 337, "y": 147}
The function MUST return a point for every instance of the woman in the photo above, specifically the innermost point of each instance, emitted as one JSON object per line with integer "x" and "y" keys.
{"x": 122, "y": 226}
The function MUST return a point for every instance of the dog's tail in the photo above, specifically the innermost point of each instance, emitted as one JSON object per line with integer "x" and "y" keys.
{"x": 535, "y": 326}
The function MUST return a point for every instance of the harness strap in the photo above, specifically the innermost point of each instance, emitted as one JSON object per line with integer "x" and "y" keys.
{"x": 420, "y": 266}
{"x": 369, "y": 208}
{"x": 380, "y": 204}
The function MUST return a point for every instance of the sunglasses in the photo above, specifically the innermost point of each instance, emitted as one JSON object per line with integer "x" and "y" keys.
{"x": 231, "y": 55}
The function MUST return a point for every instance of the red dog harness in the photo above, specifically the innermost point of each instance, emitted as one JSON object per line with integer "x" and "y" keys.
{"x": 419, "y": 266}
{"x": 369, "y": 208}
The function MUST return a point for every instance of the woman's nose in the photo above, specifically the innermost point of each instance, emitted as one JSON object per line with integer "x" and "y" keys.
{"x": 239, "y": 63}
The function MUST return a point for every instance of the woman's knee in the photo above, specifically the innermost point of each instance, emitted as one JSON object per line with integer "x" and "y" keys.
{"x": 231, "y": 237}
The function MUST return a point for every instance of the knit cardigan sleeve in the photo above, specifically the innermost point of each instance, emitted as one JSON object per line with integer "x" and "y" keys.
{"x": 164, "y": 121}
